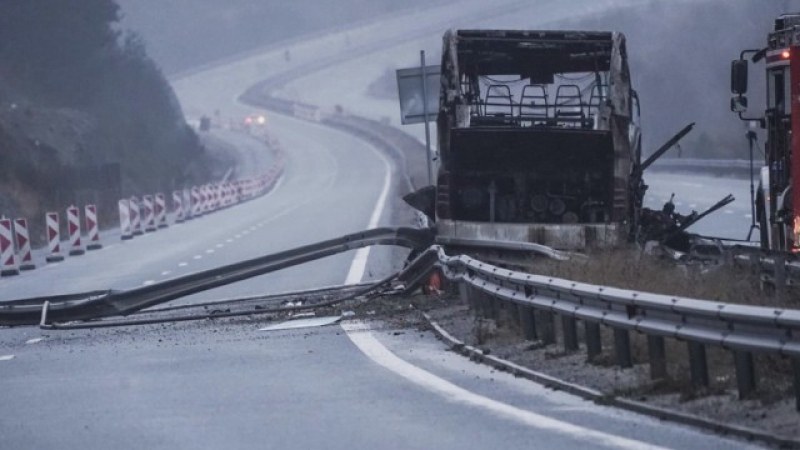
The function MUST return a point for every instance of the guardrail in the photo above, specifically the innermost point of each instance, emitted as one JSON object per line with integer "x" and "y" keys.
{"x": 744, "y": 330}
{"x": 539, "y": 300}
{"x": 100, "y": 304}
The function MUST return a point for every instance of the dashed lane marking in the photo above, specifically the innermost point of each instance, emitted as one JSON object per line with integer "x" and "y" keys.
{"x": 34, "y": 340}
{"x": 197, "y": 257}
{"x": 148, "y": 282}
{"x": 220, "y": 245}
{"x": 165, "y": 273}
{"x": 6, "y": 357}
{"x": 183, "y": 264}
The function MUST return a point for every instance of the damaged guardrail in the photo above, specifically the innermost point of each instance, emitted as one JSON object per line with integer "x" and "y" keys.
{"x": 120, "y": 303}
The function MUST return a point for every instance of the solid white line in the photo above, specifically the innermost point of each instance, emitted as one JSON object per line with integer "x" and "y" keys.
{"x": 371, "y": 347}
{"x": 359, "y": 264}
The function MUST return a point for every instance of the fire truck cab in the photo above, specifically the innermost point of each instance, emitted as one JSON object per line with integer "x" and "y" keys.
{"x": 778, "y": 197}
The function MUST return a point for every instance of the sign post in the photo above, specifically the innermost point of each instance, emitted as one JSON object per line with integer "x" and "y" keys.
{"x": 418, "y": 90}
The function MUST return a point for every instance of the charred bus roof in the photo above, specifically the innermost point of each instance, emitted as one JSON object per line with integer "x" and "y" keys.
{"x": 532, "y": 54}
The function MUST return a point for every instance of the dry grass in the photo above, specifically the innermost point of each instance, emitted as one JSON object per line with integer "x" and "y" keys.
{"x": 632, "y": 269}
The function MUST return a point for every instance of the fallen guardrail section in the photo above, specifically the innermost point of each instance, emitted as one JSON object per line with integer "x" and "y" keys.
{"x": 100, "y": 304}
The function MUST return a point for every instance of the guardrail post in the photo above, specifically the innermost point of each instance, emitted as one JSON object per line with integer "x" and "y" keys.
{"x": 796, "y": 370}
{"x": 698, "y": 365}
{"x": 594, "y": 344}
{"x": 570, "y": 330}
{"x": 527, "y": 321}
{"x": 745, "y": 373}
{"x": 546, "y": 327}
{"x": 622, "y": 348}
{"x": 513, "y": 312}
{"x": 755, "y": 263}
{"x": 779, "y": 271}
{"x": 466, "y": 295}
{"x": 657, "y": 354}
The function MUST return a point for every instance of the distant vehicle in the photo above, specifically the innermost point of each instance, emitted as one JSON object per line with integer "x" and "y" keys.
{"x": 205, "y": 123}
{"x": 539, "y": 139}
{"x": 777, "y": 199}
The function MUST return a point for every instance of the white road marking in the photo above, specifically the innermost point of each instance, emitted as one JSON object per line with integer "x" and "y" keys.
{"x": 148, "y": 282}
{"x": 371, "y": 347}
{"x": 34, "y": 340}
{"x": 6, "y": 357}
{"x": 220, "y": 245}
{"x": 210, "y": 251}
{"x": 359, "y": 264}
{"x": 729, "y": 211}
{"x": 183, "y": 264}
{"x": 238, "y": 236}
{"x": 693, "y": 205}
{"x": 302, "y": 323}
{"x": 229, "y": 240}
{"x": 748, "y": 216}
{"x": 165, "y": 273}
{"x": 197, "y": 257}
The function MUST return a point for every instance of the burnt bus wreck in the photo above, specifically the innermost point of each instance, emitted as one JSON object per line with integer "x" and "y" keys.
{"x": 537, "y": 138}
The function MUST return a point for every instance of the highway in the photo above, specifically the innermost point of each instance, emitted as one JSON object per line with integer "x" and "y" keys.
{"x": 228, "y": 384}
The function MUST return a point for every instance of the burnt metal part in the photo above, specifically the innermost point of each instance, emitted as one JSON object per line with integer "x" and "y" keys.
{"x": 512, "y": 155}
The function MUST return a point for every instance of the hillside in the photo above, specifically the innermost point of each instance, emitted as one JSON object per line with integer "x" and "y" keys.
{"x": 85, "y": 114}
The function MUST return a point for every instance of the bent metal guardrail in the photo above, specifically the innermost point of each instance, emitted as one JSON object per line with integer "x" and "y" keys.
{"x": 742, "y": 329}
{"x": 119, "y": 303}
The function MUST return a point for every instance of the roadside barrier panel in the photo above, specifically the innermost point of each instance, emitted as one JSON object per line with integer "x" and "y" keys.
{"x": 53, "y": 225}
{"x": 92, "y": 228}
{"x": 125, "y": 220}
{"x": 161, "y": 211}
{"x": 177, "y": 206}
{"x": 197, "y": 201}
{"x": 8, "y": 260}
{"x": 148, "y": 214}
{"x": 74, "y": 231}
{"x": 23, "y": 244}
{"x": 136, "y": 217}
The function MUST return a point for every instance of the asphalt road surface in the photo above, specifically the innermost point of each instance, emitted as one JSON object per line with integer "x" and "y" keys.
{"x": 225, "y": 383}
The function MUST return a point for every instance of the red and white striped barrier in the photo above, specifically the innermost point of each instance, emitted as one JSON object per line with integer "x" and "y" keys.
{"x": 23, "y": 239}
{"x": 53, "y": 226}
{"x": 136, "y": 217}
{"x": 74, "y": 230}
{"x": 196, "y": 201}
{"x": 92, "y": 228}
{"x": 148, "y": 214}
{"x": 125, "y": 220}
{"x": 161, "y": 211}
{"x": 8, "y": 260}
{"x": 177, "y": 206}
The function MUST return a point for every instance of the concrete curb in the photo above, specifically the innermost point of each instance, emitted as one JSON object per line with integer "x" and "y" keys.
{"x": 601, "y": 398}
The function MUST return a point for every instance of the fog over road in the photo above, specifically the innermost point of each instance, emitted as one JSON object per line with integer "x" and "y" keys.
{"x": 224, "y": 383}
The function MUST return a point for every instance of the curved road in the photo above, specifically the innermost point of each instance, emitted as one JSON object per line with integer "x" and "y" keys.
{"x": 224, "y": 383}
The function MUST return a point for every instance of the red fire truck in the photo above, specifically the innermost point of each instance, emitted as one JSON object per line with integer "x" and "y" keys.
{"x": 777, "y": 199}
